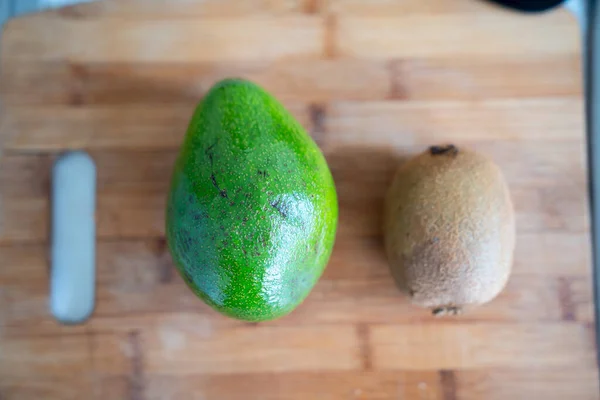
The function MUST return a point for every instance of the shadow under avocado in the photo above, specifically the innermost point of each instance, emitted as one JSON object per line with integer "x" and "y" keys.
{"x": 362, "y": 176}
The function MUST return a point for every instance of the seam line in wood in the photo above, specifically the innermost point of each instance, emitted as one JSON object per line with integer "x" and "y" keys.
{"x": 364, "y": 342}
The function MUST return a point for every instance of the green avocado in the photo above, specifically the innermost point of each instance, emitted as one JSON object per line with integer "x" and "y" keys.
{"x": 252, "y": 209}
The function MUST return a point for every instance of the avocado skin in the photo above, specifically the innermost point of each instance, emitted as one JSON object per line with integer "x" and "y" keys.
{"x": 252, "y": 208}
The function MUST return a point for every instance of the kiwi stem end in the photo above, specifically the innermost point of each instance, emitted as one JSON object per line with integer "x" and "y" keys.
{"x": 449, "y": 149}
{"x": 446, "y": 310}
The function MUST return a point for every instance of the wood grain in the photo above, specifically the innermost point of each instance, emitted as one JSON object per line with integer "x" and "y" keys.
{"x": 49, "y": 357}
{"x": 457, "y": 35}
{"x": 297, "y": 386}
{"x": 407, "y": 7}
{"x": 374, "y": 124}
{"x": 528, "y": 165}
{"x": 142, "y": 216}
{"x": 281, "y": 349}
{"x": 547, "y": 383}
{"x": 402, "y": 123}
{"x": 139, "y": 278}
{"x": 123, "y": 40}
{"x": 132, "y": 187}
{"x": 134, "y": 127}
{"x": 425, "y": 347}
{"x": 291, "y": 80}
{"x": 144, "y": 9}
{"x": 162, "y": 83}
{"x": 481, "y": 78}
{"x": 284, "y": 386}
{"x": 373, "y": 83}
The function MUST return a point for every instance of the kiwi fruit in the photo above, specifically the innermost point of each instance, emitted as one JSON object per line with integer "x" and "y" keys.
{"x": 449, "y": 229}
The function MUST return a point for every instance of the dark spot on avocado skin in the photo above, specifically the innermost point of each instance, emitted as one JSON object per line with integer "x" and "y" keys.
{"x": 212, "y": 146}
{"x": 222, "y": 192}
{"x": 210, "y": 152}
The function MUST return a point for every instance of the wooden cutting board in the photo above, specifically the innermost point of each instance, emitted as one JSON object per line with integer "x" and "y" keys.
{"x": 374, "y": 82}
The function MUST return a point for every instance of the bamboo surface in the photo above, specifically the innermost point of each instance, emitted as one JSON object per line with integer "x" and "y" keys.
{"x": 374, "y": 82}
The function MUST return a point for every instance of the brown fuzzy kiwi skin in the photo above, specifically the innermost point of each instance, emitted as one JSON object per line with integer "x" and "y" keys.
{"x": 449, "y": 229}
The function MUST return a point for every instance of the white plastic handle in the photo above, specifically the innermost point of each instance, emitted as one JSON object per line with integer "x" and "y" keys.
{"x": 72, "y": 276}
